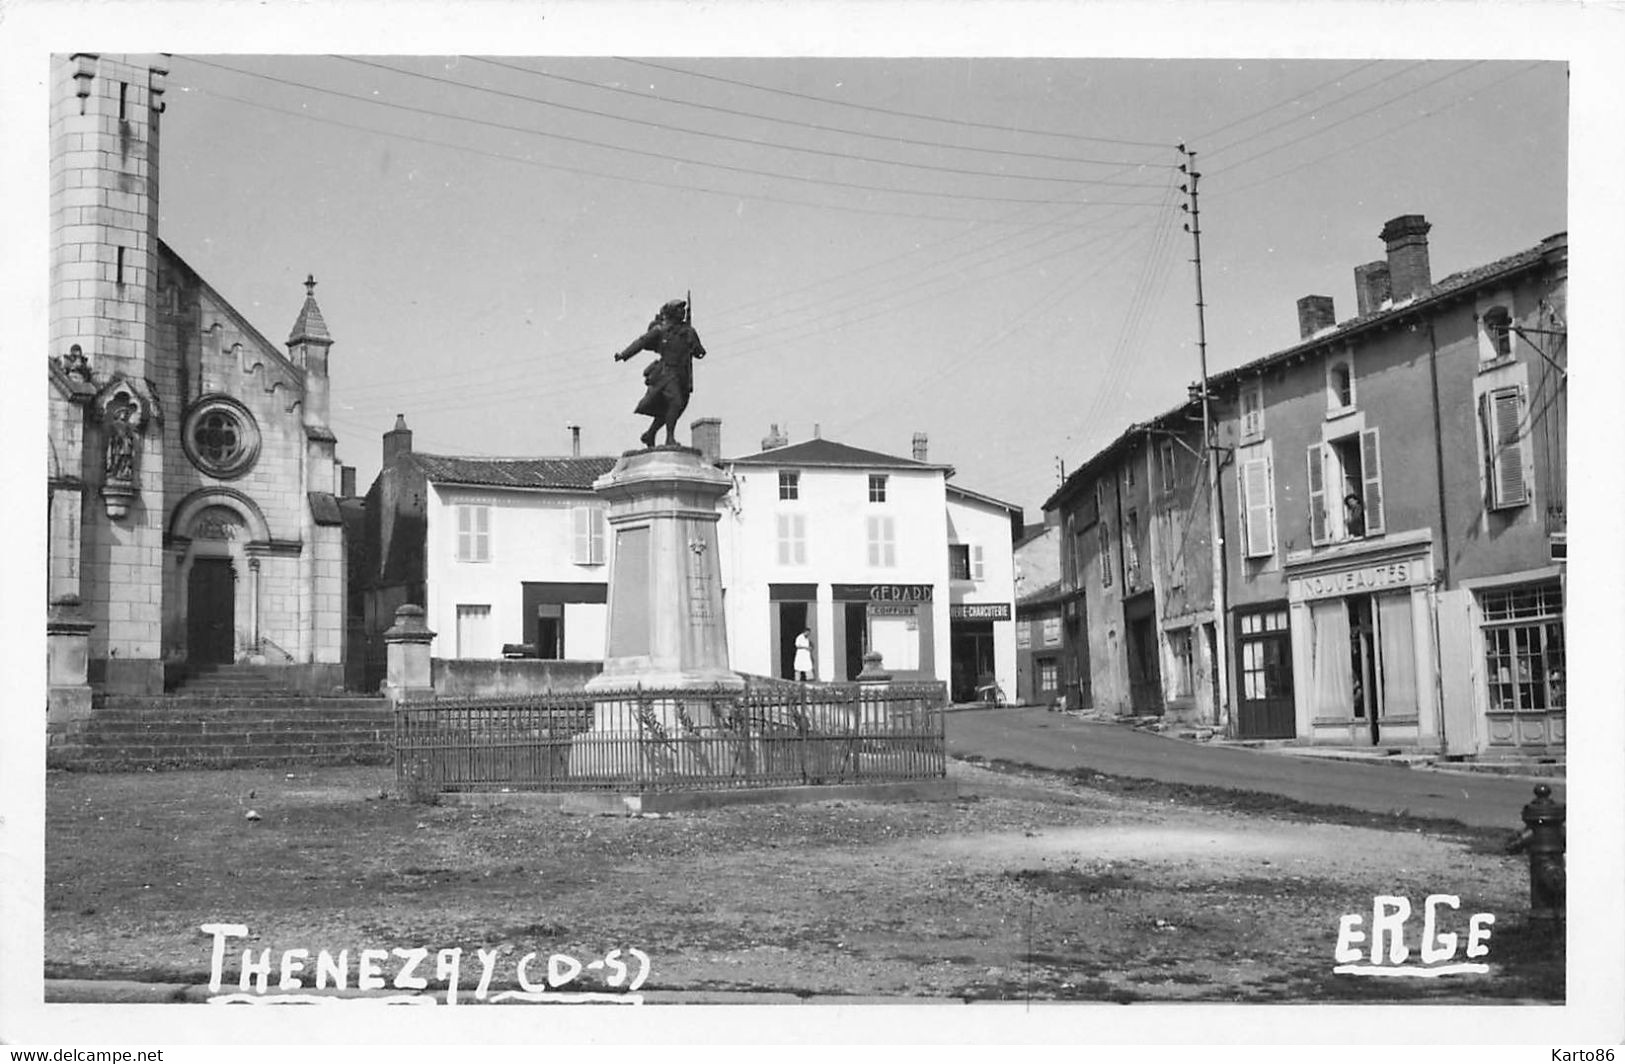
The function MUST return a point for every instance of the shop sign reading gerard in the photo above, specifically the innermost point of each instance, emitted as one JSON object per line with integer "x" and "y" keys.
{"x": 881, "y": 592}
{"x": 1355, "y": 581}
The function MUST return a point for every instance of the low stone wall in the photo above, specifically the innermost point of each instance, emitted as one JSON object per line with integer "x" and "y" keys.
{"x": 497, "y": 677}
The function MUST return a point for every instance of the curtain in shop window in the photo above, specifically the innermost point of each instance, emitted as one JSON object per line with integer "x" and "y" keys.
{"x": 1333, "y": 683}
{"x": 1398, "y": 655}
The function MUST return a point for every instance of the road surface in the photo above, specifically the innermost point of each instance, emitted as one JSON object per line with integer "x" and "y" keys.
{"x": 1057, "y": 741}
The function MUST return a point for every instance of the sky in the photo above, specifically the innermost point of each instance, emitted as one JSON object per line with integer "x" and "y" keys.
{"x": 990, "y": 251}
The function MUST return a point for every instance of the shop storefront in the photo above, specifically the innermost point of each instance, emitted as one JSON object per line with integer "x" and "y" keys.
{"x": 971, "y": 647}
{"x": 894, "y": 620}
{"x": 1363, "y": 644}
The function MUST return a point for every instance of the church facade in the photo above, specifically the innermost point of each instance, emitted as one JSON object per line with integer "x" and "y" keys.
{"x": 192, "y": 477}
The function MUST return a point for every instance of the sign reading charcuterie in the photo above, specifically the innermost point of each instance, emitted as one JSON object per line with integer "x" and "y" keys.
{"x": 979, "y": 611}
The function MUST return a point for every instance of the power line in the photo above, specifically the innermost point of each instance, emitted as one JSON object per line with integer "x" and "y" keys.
{"x": 896, "y": 113}
{"x": 1385, "y": 132}
{"x": 1347, "y": 118}
{"x": 890, "y": 138}
{"x": 663, "y": 156}
{"x": 1211, "y": 133}
{"x": 750, "y": 141}
{"x": 588, "y": 171}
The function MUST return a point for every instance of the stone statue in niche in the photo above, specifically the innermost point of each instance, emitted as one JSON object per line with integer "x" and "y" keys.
{"x": 121, "y": 440}
{"x": 125, "y": 411}
{"x": 671, "y": 380}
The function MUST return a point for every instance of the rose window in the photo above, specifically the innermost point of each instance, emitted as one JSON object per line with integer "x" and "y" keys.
{"x": 220, "y": 437}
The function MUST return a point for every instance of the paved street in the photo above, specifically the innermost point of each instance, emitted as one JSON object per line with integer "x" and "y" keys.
{"x": 1057, "y": 741}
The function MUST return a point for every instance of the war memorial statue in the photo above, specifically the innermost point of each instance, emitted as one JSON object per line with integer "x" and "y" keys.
{"x": 671, "y": 380}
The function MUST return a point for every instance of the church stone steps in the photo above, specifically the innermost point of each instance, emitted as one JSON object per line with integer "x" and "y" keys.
{"x": 182, "y": 732}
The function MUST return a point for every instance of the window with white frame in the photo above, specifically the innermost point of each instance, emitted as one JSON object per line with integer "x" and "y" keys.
{"x": 964, "y": 561}
{"x": 882, "y": 543}
{"x": 877, "y": 487}
{"x": 1494, "y": 334}
{"x": 1257, "y": 507}
{"x": 1131, "y": 548}
{"x": 1501, "y": 417}
{"x": 1523, "y": 648}
{"x": 1340, "y": 383}
{"x": 789, "y": 484}
{"x": 1345, "y": 488}
{"x": 1105, "y": 537}
{"x": 474, "y": 638}
{"x": 1048, "y": 675}
{"x": 1252, "y": 409}
{"x": 587, "y": 528}
{"x": 1052, "y": 631}
{"x": 473, "y": 533}
{"x": 792, "y": 539}
{"x": 1167, "y": 467}
{"x": 1024, "y": 634}
{"x": 1182, "y": 677}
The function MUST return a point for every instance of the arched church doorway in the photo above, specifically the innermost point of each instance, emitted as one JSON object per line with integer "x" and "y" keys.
{"x": 211, "y": 597}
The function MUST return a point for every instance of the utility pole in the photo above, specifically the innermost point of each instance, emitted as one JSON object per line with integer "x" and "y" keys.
{"x": 1210, "y": 449}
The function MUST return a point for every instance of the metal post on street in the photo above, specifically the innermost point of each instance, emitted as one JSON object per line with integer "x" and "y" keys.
{"x": 1221, "y": 716}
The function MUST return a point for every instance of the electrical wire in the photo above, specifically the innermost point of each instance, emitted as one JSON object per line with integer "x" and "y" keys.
{"x": 895, "y": 113}
{"x": 887, "y": 137}
{"x": 609, "y": 146}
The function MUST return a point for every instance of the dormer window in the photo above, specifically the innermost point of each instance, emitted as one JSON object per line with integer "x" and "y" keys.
{"x": 1252, "y": 409}
{"x": 1497, "y": 334}
{"x": 1340, "y": 385}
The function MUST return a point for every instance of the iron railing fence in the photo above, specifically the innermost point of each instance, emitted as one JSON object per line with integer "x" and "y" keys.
{"x": 659, "y": 739}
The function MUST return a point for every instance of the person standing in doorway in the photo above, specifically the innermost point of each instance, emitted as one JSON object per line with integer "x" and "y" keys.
{"x": 804, "y": 660}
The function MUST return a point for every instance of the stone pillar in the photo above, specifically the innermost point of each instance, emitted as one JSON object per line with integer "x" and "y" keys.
{"x": 67, "y": 656}
{"x": 665, "y": 629}
{"x": 408, "y": 674}
{"x": 665, "y": 624}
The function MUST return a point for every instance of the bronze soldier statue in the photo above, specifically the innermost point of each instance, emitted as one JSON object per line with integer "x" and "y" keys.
{"x": 671, "y": 380}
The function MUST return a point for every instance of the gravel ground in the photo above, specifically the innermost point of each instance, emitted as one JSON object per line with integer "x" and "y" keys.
{"x": 1028, "y": 886}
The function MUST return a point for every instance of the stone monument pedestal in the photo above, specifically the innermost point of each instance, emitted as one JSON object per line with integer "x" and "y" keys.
{"x": 665, "y": 623}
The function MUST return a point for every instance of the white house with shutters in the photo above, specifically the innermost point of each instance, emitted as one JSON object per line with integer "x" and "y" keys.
{"x": 868, "y": 552}
{"x": 507, "y": 556}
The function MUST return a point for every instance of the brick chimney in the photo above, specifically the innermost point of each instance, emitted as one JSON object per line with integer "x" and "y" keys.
{"x": 1372, "y": 287}
{"x": 575, "y": 439}
{"x": 920, "y": 452}
{"x": 397, "y": 440}
{"x": 1314, "y": 314}
{"x": 346, "y": 481}
{"x": 1407, "y": 240}
{"x": 706, "y": 433}
{"x": 774, "y": 438}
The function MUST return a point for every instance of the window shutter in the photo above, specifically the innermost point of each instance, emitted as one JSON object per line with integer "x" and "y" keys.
{"x": 1260, "y": 508}
{"x": 1317, "y": 494}
{"x": 1506, "y": 413}
{"x": 595, "y": 524}
{"x": 1371, "y": 467}
{"x": 579, "y": 517}
{"x": 976, "y": 562}
{"x": 465, "y": 534}
{"x": 798, "y": 537}
{"x": 482, "y": 534}
{"x": 784, "y": 539}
